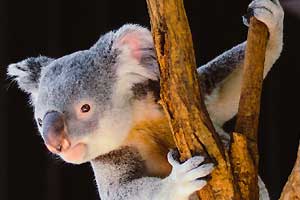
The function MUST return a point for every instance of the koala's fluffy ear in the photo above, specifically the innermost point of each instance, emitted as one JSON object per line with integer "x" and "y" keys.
{"x": 137, "y": 42}
{"x": 138, "y": 39}
{"x": 27, "y": 73}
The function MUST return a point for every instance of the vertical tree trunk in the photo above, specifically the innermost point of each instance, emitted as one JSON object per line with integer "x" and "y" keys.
{"x": 181, "y": 97}
{"x": 235, "y": 176}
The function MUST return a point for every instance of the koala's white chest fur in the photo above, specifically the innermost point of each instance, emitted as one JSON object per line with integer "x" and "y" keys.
{"x": 223, "y": 103}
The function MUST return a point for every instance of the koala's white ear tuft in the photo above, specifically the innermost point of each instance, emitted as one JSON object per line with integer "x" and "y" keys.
{"x": 136, "y": 42}
{"x": 27, "y": 73}
{"x": 134, "y": 37}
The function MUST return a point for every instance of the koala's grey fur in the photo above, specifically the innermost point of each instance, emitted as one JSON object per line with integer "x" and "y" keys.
{"x": 119, "y": 71}
{"x": 217, "y": 70}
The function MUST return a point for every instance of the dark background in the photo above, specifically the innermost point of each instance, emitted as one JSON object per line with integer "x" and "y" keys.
{"x": 55, "y": 28}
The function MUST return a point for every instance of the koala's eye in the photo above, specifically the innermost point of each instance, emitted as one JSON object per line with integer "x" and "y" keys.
{"x": 40, "y": 122}
{"x": 85, "y": 108}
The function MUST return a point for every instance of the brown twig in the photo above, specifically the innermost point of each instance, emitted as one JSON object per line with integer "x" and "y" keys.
{"x": 248, "y": 113}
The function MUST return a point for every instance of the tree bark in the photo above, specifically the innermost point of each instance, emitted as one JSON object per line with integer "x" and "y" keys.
{"x": 181, "y": 96}
{"x": 245, "y": 168}
{"x": 249, "y": 105}
{"x": 235, "y": 176}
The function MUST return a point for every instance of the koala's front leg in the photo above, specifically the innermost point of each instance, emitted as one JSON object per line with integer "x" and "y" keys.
{"x": 185, "y": 178}
{"x": 271, "y": 14}
{"x": 119, "y": 176}
{"x": 183, "y": 181}
{"x": 222, "y": 77}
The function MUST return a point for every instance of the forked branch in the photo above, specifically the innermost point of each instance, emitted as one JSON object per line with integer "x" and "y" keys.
{"x": 182, "y": 101}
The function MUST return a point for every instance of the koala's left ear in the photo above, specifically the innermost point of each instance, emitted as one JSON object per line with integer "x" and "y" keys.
{"x": 27, "y": 73}
{"x": 136, "y": 42}
{"x": 136, "y": 38}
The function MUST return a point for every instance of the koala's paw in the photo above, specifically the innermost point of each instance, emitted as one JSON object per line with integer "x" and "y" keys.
{"x": 267, "y": 11}
{"x": 188, "y": 177}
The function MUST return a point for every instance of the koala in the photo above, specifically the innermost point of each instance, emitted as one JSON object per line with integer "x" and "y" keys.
{"x": 101, "y": 106}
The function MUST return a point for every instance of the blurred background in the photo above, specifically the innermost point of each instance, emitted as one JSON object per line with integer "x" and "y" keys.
{"x": 58, "y": 27}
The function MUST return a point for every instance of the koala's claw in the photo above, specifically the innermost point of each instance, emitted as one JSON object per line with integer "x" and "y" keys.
{"x": 267, "y": 11}
{"x": 188, "y": 177}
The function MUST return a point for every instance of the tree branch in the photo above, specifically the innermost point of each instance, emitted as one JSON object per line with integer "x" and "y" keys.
{"x": 246, "y": 168}
{"x": 181, "y": 97}
{"x": 182, "y": 101}
{"x": 249, "y": 105}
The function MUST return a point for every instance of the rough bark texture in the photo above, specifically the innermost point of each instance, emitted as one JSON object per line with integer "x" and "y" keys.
{"x": 245, "y": 162}
{"x": 249, "y": 106}
{"x": 243, "y": 167}
{"x": 292, "y": 188}
{"x": 235, "y": 176}
{"x": 181, "y": 97}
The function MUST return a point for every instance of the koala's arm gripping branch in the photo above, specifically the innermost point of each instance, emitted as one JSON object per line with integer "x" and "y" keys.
{"x": 181, "y": 96}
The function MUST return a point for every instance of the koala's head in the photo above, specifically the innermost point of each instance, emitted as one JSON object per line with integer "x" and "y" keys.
{"x": 83, "y": 102}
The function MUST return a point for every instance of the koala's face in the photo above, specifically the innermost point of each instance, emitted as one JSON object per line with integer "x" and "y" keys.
{"x": 83, "y": 101}
{"x": 74, "y": 106}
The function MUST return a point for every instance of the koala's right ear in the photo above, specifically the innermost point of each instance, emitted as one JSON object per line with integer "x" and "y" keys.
{"x": 27, "y": 73}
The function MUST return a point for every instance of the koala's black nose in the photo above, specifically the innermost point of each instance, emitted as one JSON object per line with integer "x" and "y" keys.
{"x": 54, "y": 132}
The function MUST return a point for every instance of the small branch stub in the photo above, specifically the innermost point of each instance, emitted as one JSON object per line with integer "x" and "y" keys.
{"x": 243, "y": 166}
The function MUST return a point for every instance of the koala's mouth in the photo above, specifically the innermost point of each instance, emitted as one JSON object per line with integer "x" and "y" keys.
{"x": 75, "y": 154}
